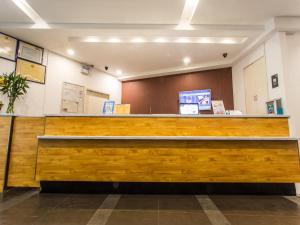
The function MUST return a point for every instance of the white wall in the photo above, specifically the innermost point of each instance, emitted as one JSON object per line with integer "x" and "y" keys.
{"x": 62, "y": 70}
{"x": 46, "y": 99}
{"x": 292, "y": 80}
{"x": 273, "y": 52}
{"x": 238, "y": 77}
{"x": 275, "y": 65}
{"x": 282, "y": 54}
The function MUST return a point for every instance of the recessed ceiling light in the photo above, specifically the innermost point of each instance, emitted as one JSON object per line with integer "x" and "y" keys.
{"x": 228, "y": 41}
{"x": 92, "y": 39}
{"x": 71, "y": 52}
{"x": 138, "y": 40}
{"x": 183, "y": 40}
{"x": 114, "y": 40}
{"x": 186, "y": 60}
{"x": 206, "y": 40}
{"x": 31, "y": 13}
{"x": 187, "y": 14}
{"x": 186, "y": 39}
{"x": 161, "y": 40}
{"x": 119, "y": 72}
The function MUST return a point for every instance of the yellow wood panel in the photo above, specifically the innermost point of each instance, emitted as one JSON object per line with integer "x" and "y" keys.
{"x": 23, "y": 154}
{"x": 99, "y": 126}
{"x": 4, "y": 136}
{"x": 168, "y": 161}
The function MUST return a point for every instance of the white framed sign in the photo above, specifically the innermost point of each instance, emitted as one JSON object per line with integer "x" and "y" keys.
{"x": 30, "y": 52}
{"x": 218, "y": 107}
{"x": 72, "y": 98}
{"x": 8, "y": 47}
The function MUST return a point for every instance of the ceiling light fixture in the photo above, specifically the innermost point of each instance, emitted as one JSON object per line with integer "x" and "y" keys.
{"x": 206, "y": 40}
{"x": 71, "y": 52}
{"x": 129, "y": 39}
{"x": 187, "y": 15}
{"x": 92, "y": 39}
{"x": 138, "y": 40}
{"x": 160, "y": 40}
{"x": 183, "y": 40}
{"x": 186, "y": 60}
{"x": 119, "y": 72}
{"x": 31, "y": 13}
{"x": 114, "y": 40}
{"x": 228, "y": 41}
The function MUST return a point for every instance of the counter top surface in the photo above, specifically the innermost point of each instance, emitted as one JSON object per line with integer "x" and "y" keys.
{"x": 151, "y": 116}
{"x": 182, "y": 138}
{"x": 168, "y": 116}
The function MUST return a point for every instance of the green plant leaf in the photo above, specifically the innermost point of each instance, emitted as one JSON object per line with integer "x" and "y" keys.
{"x": 14, "y": 86}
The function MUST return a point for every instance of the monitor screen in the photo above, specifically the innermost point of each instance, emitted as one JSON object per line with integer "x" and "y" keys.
{"x": 200, "y": 97}
{"x": 189, "y": 109}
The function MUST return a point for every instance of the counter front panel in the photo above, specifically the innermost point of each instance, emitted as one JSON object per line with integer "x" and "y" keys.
{"x": 169, "y": 161}
{"x": 167, "y": 126}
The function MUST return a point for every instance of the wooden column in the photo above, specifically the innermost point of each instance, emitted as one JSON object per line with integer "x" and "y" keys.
{"x": 23, "y": 153}
{"x": 5, "y": 131}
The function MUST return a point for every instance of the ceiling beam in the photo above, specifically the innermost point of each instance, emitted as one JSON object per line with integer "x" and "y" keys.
{"x": 180, "y": 70}
{"x": 110, "y": 26}
{"x": 287, "y": 23}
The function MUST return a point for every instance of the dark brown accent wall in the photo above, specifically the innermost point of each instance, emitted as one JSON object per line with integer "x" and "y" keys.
{"x": 160, "y": 95}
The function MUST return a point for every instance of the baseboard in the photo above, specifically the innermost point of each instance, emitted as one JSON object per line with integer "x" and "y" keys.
{"x": 169, "y": 188}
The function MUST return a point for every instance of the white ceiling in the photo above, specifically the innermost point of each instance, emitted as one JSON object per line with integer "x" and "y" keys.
{"x": 143, "y": 18}
{"x": 244, "y": 11}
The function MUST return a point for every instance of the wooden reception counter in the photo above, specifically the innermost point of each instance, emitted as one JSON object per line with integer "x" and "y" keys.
{"x": 168, "y": 148}
{"x": 148, "y": 148}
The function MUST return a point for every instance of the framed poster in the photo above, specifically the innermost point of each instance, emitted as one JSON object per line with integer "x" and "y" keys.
{"x": 30, "y": 52}
{"x": 32, "y": 71}
{"x": 8, "y": 47}
{"x": 275, "y": 81}
{"x": 218, "y": 107}
{"x": 270, "y": 107}
{"x": 72, "y": 98}
{"x": 122, "y": 109}
{"x": 108, "y": 107}
{"x": 189, "y": 109}
{"x": 275, "y": 107}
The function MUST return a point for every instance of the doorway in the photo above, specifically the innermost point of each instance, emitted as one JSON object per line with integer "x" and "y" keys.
{"x": 256, "y": 87}
{"x": 94, "y": 102}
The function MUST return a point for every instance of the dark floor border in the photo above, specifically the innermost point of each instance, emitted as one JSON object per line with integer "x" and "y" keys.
{"x": 169, "y": 188}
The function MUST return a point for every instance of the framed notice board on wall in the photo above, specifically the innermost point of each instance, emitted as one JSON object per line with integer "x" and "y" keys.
{"x": 72, "y": 98}
{"x": 33, "y": 72}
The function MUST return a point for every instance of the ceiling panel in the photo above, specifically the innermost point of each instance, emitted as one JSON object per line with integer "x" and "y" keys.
{"x": 144, "y": 58}
{"x": 132, "y": 58}
{"x": 9, "y": 13}
{"x": 109, "y": 11}
{"x": 244, "y": 11}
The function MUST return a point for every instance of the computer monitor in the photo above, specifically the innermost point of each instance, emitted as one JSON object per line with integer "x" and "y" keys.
{"x": 200, "y": 97}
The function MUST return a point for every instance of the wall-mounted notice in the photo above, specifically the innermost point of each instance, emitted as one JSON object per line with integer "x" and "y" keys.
{"x": 72, "y": 98}
{"x": 218, "y": 107}
{"x": 122, "y": 109}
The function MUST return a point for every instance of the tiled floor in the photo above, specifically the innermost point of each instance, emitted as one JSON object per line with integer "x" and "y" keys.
{"x": 31, "y": 208}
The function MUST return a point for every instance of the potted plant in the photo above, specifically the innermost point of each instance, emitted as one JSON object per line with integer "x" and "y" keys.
{"x": 13, "y": 86}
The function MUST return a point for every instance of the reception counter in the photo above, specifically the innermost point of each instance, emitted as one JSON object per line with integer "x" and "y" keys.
{"x": 150, "y": 148}
{"x": 168, "y": 148}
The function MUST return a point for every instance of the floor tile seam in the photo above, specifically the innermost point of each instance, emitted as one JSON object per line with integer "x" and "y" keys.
{"x": 106, "y": 213}
{"x": 15, "y": 201}
{"x": 216, "y": 217}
